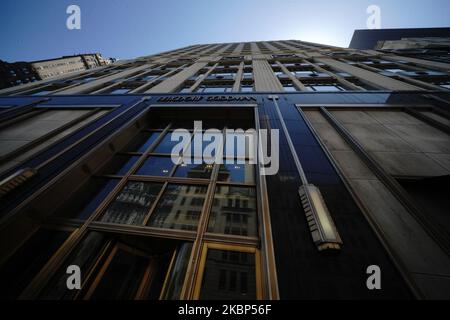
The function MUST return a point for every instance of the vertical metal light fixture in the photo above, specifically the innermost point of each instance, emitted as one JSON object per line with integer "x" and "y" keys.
{"x": 321, "y": 225}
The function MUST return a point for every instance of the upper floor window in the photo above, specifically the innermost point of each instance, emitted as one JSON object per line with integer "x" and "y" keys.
{"x": 214, "y": 89}
{"x": 325, "y": 87}
{"x": 289, "y": 87}
{"x": 247, "y": 88}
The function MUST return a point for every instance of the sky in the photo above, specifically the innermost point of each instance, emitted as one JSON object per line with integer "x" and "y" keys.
{"x": 36, "y": 29}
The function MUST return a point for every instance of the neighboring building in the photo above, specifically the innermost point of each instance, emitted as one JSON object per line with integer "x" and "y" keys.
{"x": 13, "y": 74}
{"x": 87, "y": 177}
{"x": 368, "y": 39}
{"x": 68, "y": 64}
{"x": 414, "y": 43}
{"x": 434, "y": 49}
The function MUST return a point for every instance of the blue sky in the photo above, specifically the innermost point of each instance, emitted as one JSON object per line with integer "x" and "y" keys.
{"x": 36, "y": 29}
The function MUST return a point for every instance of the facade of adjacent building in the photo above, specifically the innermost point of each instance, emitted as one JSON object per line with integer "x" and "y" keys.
{"x": 368, "y": 38}
{"x": 17, "y": 73}
{"x": 87, "y": 177}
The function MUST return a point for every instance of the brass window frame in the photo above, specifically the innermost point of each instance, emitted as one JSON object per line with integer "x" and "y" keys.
{"x": 228, "y": 247}
{"x": 198, "y": 238}
{"x": 144, "y": 283}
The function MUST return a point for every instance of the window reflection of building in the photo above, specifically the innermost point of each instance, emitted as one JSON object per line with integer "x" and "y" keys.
{"x": 154, "y": 193}
{"x": 132, "y": 204}
{"x": 229, "y": 275}
{"x": 179, "y": 208}
{"x": 234, "y": 211}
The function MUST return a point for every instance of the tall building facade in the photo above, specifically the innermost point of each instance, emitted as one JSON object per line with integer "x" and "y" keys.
{"x": 87, "y": 178}
{"x": 17, "y": 73}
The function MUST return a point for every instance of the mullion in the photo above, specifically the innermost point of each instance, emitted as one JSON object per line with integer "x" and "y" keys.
{"x": 196, "y": 251}
{"x": 166, "y": 181}
{"x": 124, "y": 180}
{"x": 236, "y": 184}
{"x": 143, "y": 231}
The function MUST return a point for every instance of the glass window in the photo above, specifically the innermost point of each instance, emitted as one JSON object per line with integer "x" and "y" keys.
{"x": 148, "y": 78}
{"x": 40, "y": 93}
{"x": 343, "y": 74}
{"x": 102, "y": 192}
{"x": 112, "y": 268}
{"x": 119, "y": 165}
{"x": 395, "y": 70}
{"x": 237, "y": 173}
{"x": 443, "y": 84}
{"x": 83, "y": 256}
{"x": 132, "y": 204}
{"x": 328, "y": 88}
{"x": 246, "y": 88}
{"x": 234, "y": 211}
{"x": 156, "y": 166}
{"x": 229, "y": 275}
{"x": 240, "y": 144}
{"x": 185, "y": 90}
{"x": 217, "y": 89}
{"x": 120, "y": 91}
{"x": 84, "y": 202}
{"x": 179, "y": 208}
{"x": 166, "y": 145}
{"x": 194, "y": 171}
{"x": 289, "y": 88}
{"x": 176, "y": 275}
{"x": 142, "y": 142}
{"x": 303, "y": 73}
{"x": 89, "y": 79}
{"x": 122, "y": 277}
{"x": 222, "y": 75}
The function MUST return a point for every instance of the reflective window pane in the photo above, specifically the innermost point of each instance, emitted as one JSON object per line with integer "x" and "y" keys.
{"x": 84, "y": 256}
{"x": 166, "y": 145}
{"x": 229, "y": 275}
{"x": 177, "y": 274}
{"x": 142, "y": 142}
{"x": 119, "y": 165}
{"x": 84, "y": 202}
{"x": 132, "y": 204}
{"x": 240, "y": 145}
{"x": 237, "y": 173}
{"x": 120, "y": 91}
{"x": 328, "y": 88}
{"x": 179, "y": 208}
{"x": 194, "y": 171}
{"x": 122, "y": 277}
{"x": 156, "y": 166}
{"x": 234, "y": 211}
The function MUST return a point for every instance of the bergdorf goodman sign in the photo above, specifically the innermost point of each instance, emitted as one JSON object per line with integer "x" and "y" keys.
{"x": 171, "y": 99}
